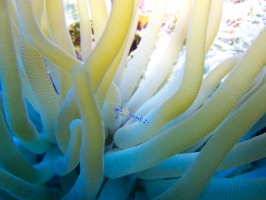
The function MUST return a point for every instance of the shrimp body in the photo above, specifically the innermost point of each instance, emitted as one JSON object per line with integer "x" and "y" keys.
{"x": 121, "y": 111}
{"x": 124, "y": 112}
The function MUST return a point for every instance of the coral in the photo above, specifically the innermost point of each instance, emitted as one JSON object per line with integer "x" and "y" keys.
{"x": 149, "y": 125}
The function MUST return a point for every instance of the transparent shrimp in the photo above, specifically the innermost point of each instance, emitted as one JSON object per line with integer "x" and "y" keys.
{"x": 124, "y": 112}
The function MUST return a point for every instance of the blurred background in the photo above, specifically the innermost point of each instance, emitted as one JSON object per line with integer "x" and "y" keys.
{"x": 241, "y": 22}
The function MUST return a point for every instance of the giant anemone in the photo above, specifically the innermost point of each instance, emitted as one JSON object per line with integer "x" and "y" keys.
{"x": 113, "y": 127}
